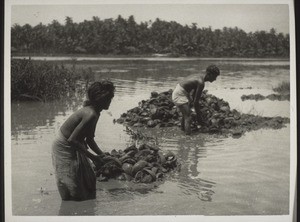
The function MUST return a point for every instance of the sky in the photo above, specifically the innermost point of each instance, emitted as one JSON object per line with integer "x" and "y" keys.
{"x": 249, "y": 17}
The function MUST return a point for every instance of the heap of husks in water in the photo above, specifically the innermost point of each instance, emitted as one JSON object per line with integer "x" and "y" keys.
{"x": 140, "y": 164}
{"x": 216, "y": 115}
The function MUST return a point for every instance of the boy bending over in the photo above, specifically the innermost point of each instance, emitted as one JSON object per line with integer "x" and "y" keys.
{"x": 187, "y": 94}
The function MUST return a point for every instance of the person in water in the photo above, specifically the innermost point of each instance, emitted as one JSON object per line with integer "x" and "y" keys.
{"x": 71, "y": 155}
{"x": 187, "y": 94}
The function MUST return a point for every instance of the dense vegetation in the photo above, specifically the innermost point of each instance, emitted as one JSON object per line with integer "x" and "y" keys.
{"x": 125, "y": 37}
{"x": 44, "y": 81}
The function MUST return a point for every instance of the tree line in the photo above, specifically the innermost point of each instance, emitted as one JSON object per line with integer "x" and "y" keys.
{"x": 123, "y": 36}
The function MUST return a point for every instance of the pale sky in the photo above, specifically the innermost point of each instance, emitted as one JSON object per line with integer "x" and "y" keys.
{"x": 249, "y": 17}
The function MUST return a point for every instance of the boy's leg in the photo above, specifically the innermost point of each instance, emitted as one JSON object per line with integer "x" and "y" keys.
{"x": 182, "y": 117}
{"x": 182, "y": 123}
{"x": 186, "y": 115}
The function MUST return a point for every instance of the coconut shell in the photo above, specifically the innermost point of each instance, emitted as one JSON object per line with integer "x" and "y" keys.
{"x": 159, "y": 176}
{"x": 142, "y": 153}
{"x": 169, "y": 156}
{"x": 161, "y": 158}
{"x": 138, "y": 166}
{"x": 225, "y": 108}
{"x": 138, "y": 176}
{"x": 127, "y": 167}
{"x": 151, "y": 173}
{"x": 146, "y": 179}
{"x": 129, "y": 160}
{"x": 151, "y": 123}
{"x": 113, "y": 159}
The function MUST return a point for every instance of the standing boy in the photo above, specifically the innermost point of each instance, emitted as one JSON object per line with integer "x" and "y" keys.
{"x": 75, "y": 177}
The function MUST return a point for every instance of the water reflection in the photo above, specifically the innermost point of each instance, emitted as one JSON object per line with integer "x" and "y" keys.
{"x": 72, "y": 208}
{"x": 128, "y": 189}
{"x": 27, "y": 118}
{"x": 190, "y": 153}
{"x": 200, "y": 188}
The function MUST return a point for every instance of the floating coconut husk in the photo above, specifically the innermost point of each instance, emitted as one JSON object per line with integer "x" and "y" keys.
{"x": 216, "y": 115}
{"x": 144, "y": 164}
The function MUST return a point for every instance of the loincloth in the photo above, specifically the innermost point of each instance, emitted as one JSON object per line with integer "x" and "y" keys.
{"x": 73, "y": 172}
{"x": 179, "y": 95}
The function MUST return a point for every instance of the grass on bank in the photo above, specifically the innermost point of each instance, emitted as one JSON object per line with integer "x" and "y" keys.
{"x": 45, "y": 81}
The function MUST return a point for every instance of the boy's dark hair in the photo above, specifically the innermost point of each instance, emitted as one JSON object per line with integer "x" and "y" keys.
{"x": 213, "y": 69}
{"x": 99, "y": 91}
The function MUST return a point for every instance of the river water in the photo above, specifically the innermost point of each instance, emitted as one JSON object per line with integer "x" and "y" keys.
{"x": 219, "y": 175}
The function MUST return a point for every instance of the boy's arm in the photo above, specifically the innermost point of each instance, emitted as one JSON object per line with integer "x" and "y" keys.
{"x": 90, "y": 140}
{"x": 93, "y": 145}
{"x": 192, "y": 98}
{"x": 78, "y": 131}
{"x": 198, "y": 93}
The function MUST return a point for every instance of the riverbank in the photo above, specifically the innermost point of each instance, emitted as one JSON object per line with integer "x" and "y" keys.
{"x": 134, "y": 57}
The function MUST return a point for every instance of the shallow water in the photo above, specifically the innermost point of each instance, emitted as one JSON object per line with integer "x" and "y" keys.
{"x": 219, "y": 175}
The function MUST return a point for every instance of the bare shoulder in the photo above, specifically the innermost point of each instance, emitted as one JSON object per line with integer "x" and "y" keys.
{"x": 85, "y": 114}
{"x": 88, "y": 113}
{"x": 196, "y": 82}
{"x": 200, "y": 82}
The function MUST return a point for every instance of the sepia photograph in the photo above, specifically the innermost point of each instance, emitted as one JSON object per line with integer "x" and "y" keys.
{"x": 150, "y": 110}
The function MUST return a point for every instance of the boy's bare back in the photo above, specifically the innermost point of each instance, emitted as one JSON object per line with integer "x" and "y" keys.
{"x": 85, "y": 119}
{"x": 191, "y": 83}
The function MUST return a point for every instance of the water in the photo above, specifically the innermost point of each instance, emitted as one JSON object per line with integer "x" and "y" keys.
{"x": 219, "y": 175}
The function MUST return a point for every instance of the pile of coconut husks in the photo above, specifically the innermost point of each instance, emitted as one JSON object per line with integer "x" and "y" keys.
{"x": 216, "y": 116}
{"x": 141, "y": 164}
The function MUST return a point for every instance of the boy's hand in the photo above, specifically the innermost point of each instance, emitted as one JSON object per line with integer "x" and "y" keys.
{"x": 199, "y": 120}
{"x": 102, "y": 154}
{"x": 98, "y": 160}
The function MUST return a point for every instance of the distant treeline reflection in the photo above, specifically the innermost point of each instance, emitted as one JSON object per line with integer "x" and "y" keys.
{"x": 125, "y": 37}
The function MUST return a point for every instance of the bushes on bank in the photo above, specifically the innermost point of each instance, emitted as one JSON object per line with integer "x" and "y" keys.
{"x": 45, "y": 81}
